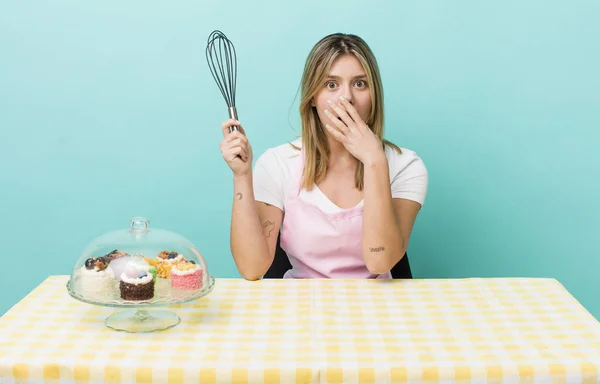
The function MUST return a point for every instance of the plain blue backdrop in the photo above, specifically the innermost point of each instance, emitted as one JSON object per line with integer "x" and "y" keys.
{"x": 108, "y": 110}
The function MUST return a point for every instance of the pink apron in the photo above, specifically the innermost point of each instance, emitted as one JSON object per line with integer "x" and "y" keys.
{"x": 321, "y": 244}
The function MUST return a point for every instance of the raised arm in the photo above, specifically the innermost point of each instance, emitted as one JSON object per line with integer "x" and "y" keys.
{"x": 254, "y": 225}
{"x": 387, "y": 222}
{"x": 254, "y": 229}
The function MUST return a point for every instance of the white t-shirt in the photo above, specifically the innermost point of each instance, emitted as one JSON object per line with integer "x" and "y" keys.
{"x": 277, "y": 167}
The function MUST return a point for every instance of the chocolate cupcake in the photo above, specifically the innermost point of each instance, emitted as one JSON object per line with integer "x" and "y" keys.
{"x": 136, "y": 284}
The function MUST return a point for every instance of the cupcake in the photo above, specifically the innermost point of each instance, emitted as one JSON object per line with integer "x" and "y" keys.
{"x": 143, "y": 263}
{"x": 186, "y": 275}
{"x": 165, "y": 262}
{"x": 94, "y": 281}
{"x": 119, "y": 265}
{"x": 136, "y": 283}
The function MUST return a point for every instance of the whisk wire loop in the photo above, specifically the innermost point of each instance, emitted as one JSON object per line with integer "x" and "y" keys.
{"x": 222, "y": 62}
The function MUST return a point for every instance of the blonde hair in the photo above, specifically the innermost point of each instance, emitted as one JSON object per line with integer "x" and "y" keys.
{"x": 316, "y": 69}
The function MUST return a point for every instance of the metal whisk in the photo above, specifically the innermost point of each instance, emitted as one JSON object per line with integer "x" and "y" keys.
{"x": 222, "y": 61}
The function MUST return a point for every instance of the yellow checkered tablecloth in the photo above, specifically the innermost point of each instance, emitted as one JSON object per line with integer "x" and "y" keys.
{"x": 314, "y": 331}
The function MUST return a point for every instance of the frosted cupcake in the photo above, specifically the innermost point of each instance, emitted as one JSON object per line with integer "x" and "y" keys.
{"x": 186, "y": 276}
{"x": 136, "y": 284}
{"x": 94, "y": 281}
{"x": 143, "y": 263}
{"x": 165, "y": 262}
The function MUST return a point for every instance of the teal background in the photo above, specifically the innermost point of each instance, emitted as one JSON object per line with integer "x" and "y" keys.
{"x": 108, "y": 110}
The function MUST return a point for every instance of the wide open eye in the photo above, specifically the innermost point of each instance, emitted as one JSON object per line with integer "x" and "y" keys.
{"x": 331, "y": 84}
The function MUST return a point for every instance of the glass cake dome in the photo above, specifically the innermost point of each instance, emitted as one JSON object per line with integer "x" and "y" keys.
{"x": 140, "y": 267}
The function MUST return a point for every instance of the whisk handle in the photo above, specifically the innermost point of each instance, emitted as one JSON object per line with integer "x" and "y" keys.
{"x": 233, "y": 115}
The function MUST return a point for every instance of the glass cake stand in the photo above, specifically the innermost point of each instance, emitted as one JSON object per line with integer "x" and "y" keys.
{"x": 140, "y": 269}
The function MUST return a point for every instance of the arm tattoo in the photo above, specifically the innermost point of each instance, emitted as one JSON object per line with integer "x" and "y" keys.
{"x": 378, "y": 249}
{"x": 239, "y": 196}
{"x": 266, "y": 225}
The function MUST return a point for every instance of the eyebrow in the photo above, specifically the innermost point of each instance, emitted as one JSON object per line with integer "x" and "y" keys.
{"x": 337, "y": 77}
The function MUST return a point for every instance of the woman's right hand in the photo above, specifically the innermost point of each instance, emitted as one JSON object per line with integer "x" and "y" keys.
{"x": 236, "y": 149}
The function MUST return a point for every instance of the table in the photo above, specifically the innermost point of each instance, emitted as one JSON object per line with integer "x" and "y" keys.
{"x": 314, "y": 331}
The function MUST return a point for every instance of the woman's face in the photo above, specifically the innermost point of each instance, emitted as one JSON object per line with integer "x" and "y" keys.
{"x": 346, "y": 78}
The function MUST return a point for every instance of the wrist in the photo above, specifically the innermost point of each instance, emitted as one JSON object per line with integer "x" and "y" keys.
{"x": 242, "y": 178}
{"x": 375, "y": 159}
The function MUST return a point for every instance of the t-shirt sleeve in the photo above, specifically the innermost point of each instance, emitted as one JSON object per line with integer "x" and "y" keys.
{"x": 408, "y": 176}
{"x": 268, "y": 180}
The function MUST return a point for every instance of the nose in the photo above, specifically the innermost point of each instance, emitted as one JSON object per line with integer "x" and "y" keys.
{"x": 347, "y": 93}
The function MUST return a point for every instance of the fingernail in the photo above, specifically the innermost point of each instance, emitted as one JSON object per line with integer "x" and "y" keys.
{"x": 329, "y": 102}
{"x": 326, "y": 111}
{"x": 342, "y": 98}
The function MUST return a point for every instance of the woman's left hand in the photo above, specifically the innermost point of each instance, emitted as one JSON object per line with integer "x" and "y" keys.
{"x": 352, "y": 131}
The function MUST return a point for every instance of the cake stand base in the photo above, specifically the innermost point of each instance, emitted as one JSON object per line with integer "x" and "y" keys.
{"x": 142, "y": 321}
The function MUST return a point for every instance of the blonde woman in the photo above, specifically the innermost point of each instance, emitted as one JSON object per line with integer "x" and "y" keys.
{"x": 344, "y": 199}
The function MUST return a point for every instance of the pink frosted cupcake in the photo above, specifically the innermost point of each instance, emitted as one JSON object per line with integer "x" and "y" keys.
{"x": 186, "y": 275}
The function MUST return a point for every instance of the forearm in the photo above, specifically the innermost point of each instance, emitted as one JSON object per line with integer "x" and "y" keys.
{"x": 382, "y": 242}
{"x": 248, "y": 245}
